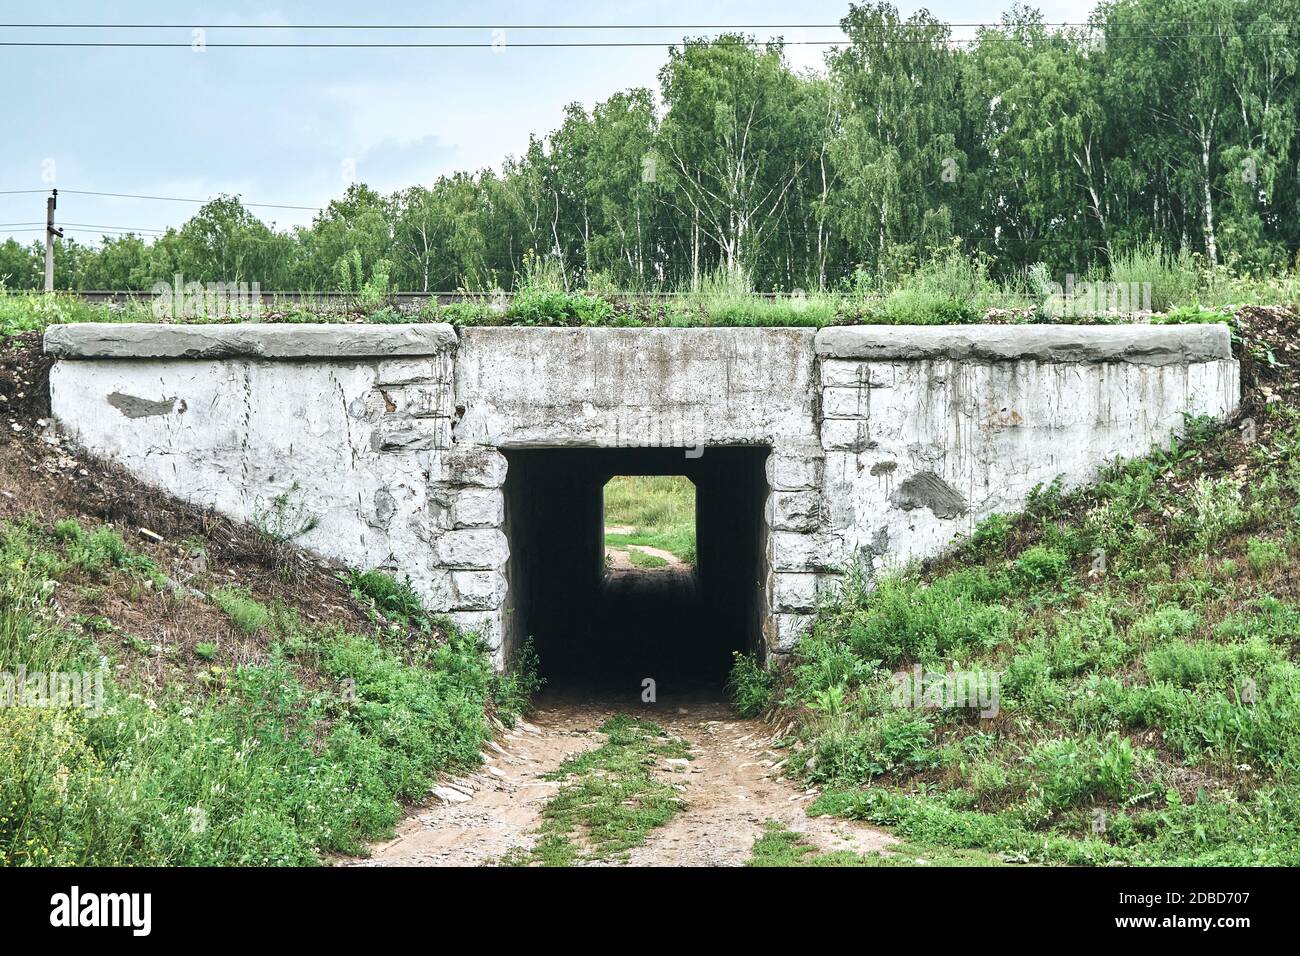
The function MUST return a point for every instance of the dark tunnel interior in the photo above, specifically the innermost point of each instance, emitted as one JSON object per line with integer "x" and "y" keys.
{"x": 596, "y": 631}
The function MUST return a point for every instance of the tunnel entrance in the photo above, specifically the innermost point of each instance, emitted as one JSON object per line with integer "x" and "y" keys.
{"x": 597, "y": 629}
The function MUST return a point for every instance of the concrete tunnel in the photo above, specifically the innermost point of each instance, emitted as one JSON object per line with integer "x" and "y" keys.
{"x": 678, "y": 630}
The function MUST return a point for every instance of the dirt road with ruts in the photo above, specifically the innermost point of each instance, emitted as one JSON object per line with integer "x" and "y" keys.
{"x": 731, "y": 787}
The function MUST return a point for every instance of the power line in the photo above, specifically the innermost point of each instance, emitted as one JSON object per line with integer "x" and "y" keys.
{"x": 142, "y": 45}
{"x": 108, "y": 230}
{"x": 91, "y": 225}
{"x": 571, "y": 45}
{"x": 425, "y": 26}
{"x": 86, "y": 225}
{"x": 260, "y": 205}
{"x": 90, "y": 192}
{"x": 570, "y": 26}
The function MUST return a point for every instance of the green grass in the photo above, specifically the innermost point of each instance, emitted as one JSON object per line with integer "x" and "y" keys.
{"x": 610, "y": 800}
{"x": 779, "y": 846}
{"x": 388, "y": 598}
{"x": 1148, "y": 714}
{"x": 310, "y": 750}
{"x": 244, "y": 611}
{"x": 659, "y": 508}
{"x": 947, "y": 288}
{"x": 642, "y": 560}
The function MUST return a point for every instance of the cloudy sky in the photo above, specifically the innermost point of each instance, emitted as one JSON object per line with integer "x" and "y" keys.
{"x": 295, "y": 126}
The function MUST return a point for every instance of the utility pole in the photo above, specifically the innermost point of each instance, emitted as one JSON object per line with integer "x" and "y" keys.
{"x": 50, "y": 232}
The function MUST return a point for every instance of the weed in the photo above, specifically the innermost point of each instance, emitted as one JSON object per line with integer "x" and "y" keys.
{"x": 750, "y": 685}
{"x": 1264, "y": 555}
{"x": 513, "y": 690}
{"x": 610, "y": 801}
{"x": 284, "y": 519}
{"x": 395, "y": 600}
{"x": 244, "y": 611}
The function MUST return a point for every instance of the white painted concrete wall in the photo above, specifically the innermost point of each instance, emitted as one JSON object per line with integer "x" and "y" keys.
{"x": 887, "y": 442}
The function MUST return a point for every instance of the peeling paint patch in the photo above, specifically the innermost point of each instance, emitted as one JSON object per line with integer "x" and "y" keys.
{"x": 925, "y": 489}
{"x": 133, "y": 406}
{"x": 385, "y": 508}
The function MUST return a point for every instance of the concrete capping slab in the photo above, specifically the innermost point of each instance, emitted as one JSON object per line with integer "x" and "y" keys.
{"x": 484, "y": 336}
{"x": 1135, "y": 344}
{"x": 148, "y": 340}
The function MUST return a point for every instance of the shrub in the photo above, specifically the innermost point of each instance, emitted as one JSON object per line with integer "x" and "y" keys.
{"x": 68, "y": 530}
{"x": 1267, "y": 618}
{"x": 1041, "y": 565}
{"x": 991, "y": 534}
{"x": 1215, "y": 510}
{"x": 913, "y": 306}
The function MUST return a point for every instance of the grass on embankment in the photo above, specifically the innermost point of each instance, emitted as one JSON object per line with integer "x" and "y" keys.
{"x": 250, "y": 752}
{"x": 660, "y": 510}
{"x": 947, "y": 288}
{"x": 610, "y": 800}
{"x": 1146, "y": 632}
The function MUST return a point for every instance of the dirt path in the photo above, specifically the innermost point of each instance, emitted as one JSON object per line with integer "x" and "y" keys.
{"x": 617, "y": 559}
{"x": 732, "y": 786}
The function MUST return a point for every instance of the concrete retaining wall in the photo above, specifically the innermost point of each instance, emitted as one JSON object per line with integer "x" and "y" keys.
{"x": 382, "y": 444}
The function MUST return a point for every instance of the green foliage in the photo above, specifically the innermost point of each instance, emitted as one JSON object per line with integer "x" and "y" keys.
{"x": 660, "y": 510}
{"x": 1215, "y": 509}
{"x": 750, "y": 685}
{"x": 991, "y": 534}
{"x": 395, "y": 600}
{"x": 1146, "y": 709}
{"x": 1192, "y": 315}
{"x": 513, "y": 690}
{"x": 849, "y": 749}
{"x": 1041, "y": 566}
{"x": 905, "y": 620}
{"x": 1165, "y": 623}
{"x": 609, "y": 797}
{"x": 642, "y": 560}
{"x": 262, "y": 771}
{"x": 1173, "y": 280}
{"x": 1264, "y": 555}
{"x": 738, "y": 171}
{"x": 1067, "y": 772}
{"x": 1206, "y": 663}
{"x": 244, "y": 611}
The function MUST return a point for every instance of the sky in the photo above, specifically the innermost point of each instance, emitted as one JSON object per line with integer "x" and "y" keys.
{"x": 295, "y": 127}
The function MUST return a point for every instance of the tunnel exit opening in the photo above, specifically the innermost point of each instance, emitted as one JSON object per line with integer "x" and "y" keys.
{"x": 612, "y": 623}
